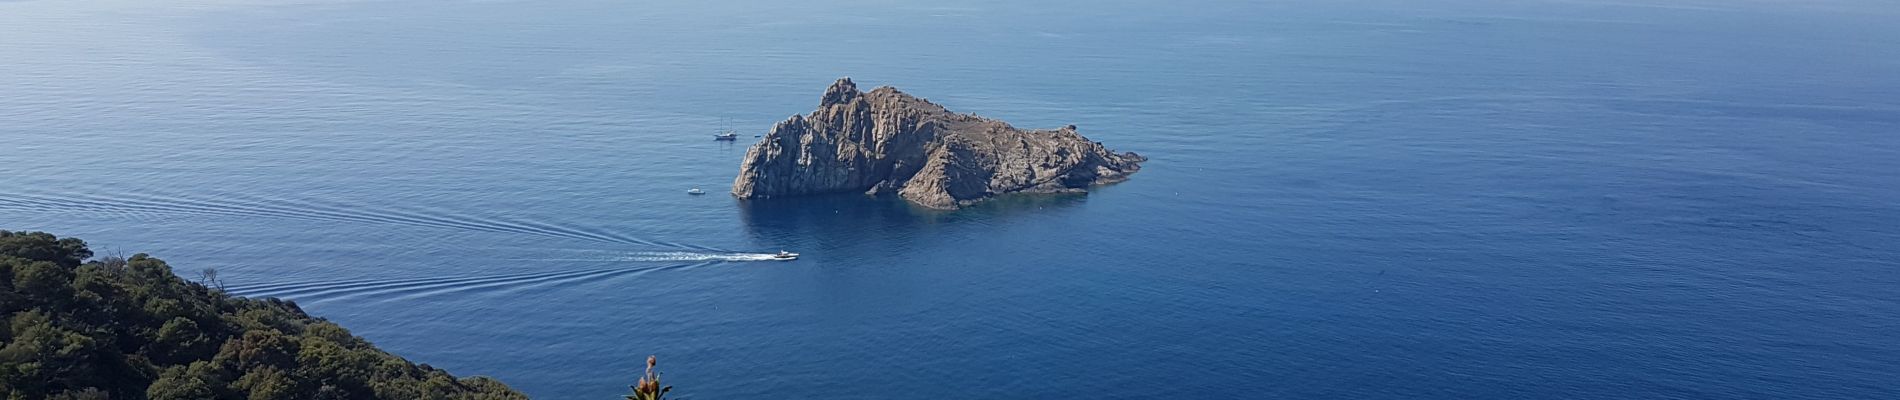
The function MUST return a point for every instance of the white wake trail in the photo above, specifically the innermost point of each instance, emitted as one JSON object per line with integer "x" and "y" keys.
{"x": 666, "y": 256}
{"x": 696, "y": 256}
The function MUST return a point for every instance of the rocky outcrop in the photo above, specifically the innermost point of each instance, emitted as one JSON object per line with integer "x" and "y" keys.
{"x": 887, "y": 141}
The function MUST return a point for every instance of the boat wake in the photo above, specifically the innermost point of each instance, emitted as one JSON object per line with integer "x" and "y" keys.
{"x": 148, "y": 207}
{"x": 667, "y": 256}
{"x": 699, "y": 256}
{"x": 384, "y": 289}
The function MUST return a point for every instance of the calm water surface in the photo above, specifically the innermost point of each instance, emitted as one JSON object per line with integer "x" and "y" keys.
{"x": 1372, "y": 199}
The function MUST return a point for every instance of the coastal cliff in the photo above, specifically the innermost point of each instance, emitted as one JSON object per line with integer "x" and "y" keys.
{"x": 887, "y": 141}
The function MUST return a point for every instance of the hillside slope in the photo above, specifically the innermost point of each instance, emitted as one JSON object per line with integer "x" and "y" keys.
{"x": 131, "y": 329}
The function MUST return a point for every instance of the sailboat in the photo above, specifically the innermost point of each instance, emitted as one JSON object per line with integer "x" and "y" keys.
{"x": 726, "y": 134}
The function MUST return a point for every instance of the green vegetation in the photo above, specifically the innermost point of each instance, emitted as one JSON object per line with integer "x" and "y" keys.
{"x": 128, "y": 328}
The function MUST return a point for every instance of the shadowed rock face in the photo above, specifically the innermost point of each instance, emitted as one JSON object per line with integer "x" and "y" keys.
{"x": 886, "y": 141}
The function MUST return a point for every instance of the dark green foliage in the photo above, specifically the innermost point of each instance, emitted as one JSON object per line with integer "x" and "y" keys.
{"x": 131, "y": 329}
{"x": 42, "y": 246}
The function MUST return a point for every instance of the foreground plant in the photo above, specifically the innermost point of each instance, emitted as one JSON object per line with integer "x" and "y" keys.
{"x": 649, "y": 388}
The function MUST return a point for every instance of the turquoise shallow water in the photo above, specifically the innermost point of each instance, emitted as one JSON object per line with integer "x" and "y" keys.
{"x": 1378, "y": 199}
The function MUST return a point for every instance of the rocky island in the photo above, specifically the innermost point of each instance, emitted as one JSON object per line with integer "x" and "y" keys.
{"x": 887, "y": 141}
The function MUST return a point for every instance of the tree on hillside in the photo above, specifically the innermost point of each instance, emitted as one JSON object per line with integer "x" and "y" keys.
{"x": 129, "y": 328}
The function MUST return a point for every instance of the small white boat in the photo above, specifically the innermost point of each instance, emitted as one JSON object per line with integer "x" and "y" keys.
{"x": 725, "y": 132}
{"x": 785, "y": 255}
{"x": 695, "y": 191}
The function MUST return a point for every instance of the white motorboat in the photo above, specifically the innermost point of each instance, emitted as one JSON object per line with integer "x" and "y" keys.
{"x": 785, "y": 255}
{"x": 695, "y": 191}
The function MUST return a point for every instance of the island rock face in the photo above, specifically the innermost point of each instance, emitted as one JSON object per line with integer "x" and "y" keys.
{"x": 887, "y": 141}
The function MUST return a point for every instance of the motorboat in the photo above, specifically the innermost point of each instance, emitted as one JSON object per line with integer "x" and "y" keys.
{"x": 785, "y": 255}
{"x": 695, "y": 191}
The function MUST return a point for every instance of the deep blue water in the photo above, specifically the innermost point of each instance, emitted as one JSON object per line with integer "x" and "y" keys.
{"x": 1452, "y": 199}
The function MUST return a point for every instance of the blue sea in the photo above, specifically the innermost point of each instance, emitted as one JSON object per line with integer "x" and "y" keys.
{"x": 1369, "y": 199}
